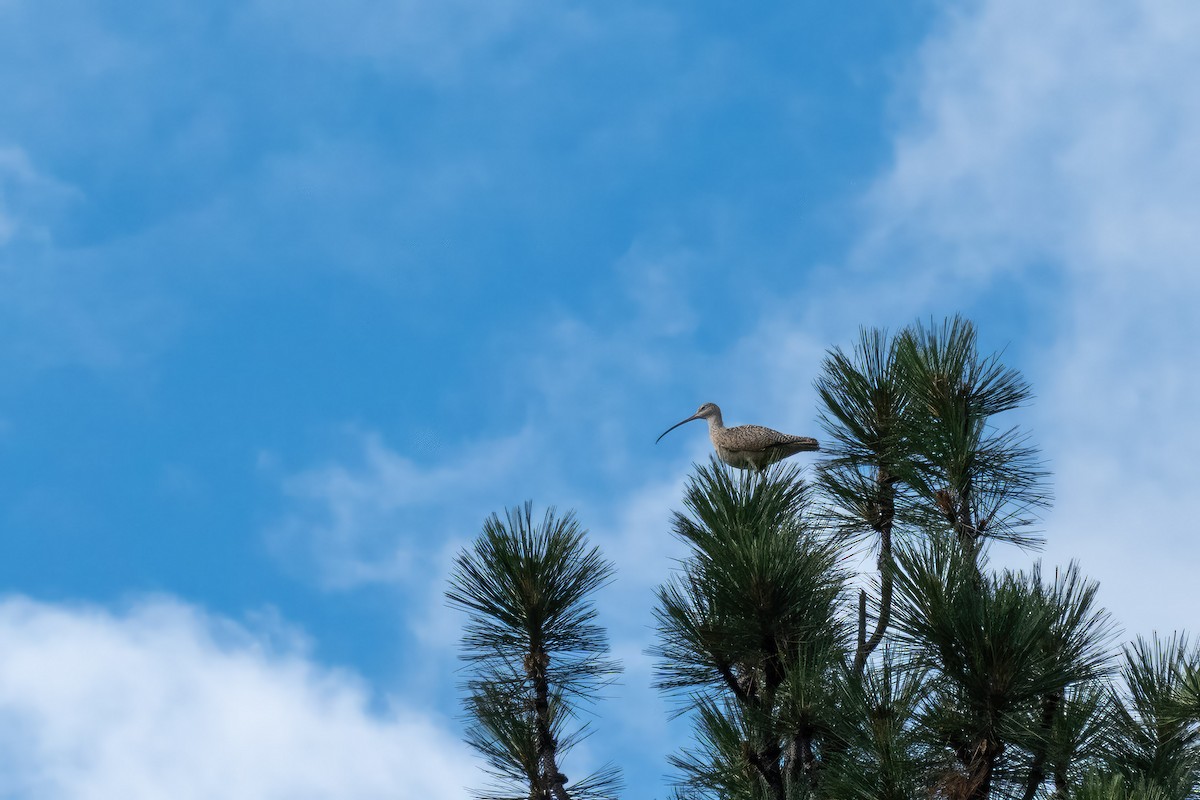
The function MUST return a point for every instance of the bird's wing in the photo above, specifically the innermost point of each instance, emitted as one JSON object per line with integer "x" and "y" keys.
{"x": 756, "y": 438}
{"x": 759, "y": 438}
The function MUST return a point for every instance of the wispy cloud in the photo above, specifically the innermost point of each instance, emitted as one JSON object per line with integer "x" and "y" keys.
{"x": 379, "y": 517}
{"x": 433, "y": 41}
{"x": 1020, "y": 149}
{"x": 1054, "y": 146}
{"x": 57, "y": 308}
{"x": 27, "y": 198}
{"x": 1044, "y": 182}
{"x": 163, "y": 700}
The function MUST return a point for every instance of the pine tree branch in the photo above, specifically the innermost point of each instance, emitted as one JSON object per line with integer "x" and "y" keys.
{"x": 534, "y": 646}
{"x": 808, "y": 758}
{"x": 550, "y": 779}
{"x": 1037, "y": 770}
{"x": 766, "y": 763}
{"x": 883, "y": 526}
{"x": 1061, "y": 787}
{"x": 862, "y": 631}
{"x": 735, "y": 686}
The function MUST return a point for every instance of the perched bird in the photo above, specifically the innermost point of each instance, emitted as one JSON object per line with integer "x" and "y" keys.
{"x": 747, "y": 446}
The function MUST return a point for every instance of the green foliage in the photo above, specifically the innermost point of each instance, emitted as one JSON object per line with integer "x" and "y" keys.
{"x": 1155, "y": 739}
{"x": 504, "y": 733}
{"x": 1112, "y": 787}
{"x": 758, "y": 588}
{"x": 534, "y": 647}
{"x": 880, "y": 753}
{"x": 992, "y": 684}
{"x": 913, "y": 451}
{"x": 981, "y": 482}
{"x": 751, "y": 633}
{"x": 526, "y": 588}
{"x": 952, "y": 682}
{"x": 910, "y": 434}
{"x": 720, "y": 765}
{"x": 1076, "y": 741}
{"x": 1005, "y": 649}
{"x": 864, "y": 404}
{"x": 1002, "y": 640}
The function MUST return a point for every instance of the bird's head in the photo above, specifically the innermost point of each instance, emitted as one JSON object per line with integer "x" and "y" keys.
{"x": 706, "y": 411}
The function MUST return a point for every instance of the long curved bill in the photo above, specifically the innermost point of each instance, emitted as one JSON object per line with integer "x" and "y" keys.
{"x": 676, "y": 425}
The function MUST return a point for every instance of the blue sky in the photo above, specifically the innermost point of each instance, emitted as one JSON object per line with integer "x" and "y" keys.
{"x": 293, "y": 294}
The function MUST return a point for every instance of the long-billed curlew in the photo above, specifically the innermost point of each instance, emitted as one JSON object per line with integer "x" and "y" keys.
{"x": 747, "y": 446}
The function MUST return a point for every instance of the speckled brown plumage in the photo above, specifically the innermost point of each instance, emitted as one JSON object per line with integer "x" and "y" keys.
{"x": 747, "y": 446}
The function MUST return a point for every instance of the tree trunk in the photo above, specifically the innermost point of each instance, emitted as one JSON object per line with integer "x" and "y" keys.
{"x": 1037, "y": 770}
{"x": 883, "y": 526}
{"x": 981, "y": 765}
{"x": 551, "y": 783}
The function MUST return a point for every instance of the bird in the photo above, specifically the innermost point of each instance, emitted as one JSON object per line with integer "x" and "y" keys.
{"x": 747, "y": 446}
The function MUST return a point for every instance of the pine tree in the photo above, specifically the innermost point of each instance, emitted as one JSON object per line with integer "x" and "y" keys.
{"x": 751, "y": 637}
{"x": 534, "y": 649}
{"x": 941, "y": 678}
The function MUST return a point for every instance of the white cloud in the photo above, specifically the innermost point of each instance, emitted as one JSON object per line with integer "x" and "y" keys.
{"x": 1055, "y": 144}
{"x": 383, "y": 517}
{"x": 163, "y": 700}
{"x": 1057, "y": 131}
